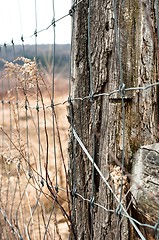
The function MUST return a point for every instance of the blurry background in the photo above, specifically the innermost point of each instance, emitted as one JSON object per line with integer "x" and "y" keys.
{"x": 17, "y": 18}
{"x": 34, "y": 77}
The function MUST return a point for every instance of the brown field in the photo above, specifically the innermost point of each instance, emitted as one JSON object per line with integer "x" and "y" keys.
{"x": 32, "y": 161}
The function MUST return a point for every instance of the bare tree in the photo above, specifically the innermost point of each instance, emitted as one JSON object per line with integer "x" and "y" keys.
{"x": 114, "y": 113}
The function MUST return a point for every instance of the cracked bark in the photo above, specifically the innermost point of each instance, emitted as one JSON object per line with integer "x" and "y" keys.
{"x": 139, "y": 53}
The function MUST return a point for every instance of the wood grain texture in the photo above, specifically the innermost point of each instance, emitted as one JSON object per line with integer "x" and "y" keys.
{"x": 139, "y": 59}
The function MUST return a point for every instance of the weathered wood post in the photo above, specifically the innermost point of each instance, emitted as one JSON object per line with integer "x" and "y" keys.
{"x": 115, "y": 47}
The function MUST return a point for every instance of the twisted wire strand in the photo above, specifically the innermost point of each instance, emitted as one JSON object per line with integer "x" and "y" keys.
{"x": 123, "y": 98}
{"x": 95, "y": 95}
{"x": 53, "y": 22}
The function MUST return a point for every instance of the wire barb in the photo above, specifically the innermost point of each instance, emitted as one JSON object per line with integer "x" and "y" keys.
{"x": 72, "y": 10}
{"x": 122, "y": 89}
{"x": 34, "y": 175}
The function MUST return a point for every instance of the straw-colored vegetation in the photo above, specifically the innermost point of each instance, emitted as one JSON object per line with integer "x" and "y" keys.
{"x": 33, "y": 157}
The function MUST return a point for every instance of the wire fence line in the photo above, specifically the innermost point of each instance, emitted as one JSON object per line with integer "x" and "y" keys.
{"x": 95, "y": 95}
{"x": 36, "y": 32}
{"x": 32, "y": 169}
{"x": 120, "y": 208}
{"x": 122, "y": 97}
{"x": 31, "y": 207}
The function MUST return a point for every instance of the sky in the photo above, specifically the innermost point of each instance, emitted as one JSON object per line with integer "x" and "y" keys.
{"x": 17, "y": 18}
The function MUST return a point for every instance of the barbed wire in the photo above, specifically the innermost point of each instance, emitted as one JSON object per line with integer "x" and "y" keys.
{"x": 122, "y": 90}
{"x": 23, "y": 193}
{"x": 88, "y": 97}
{"x": 76, "y": 136}
{"x": 121, "y": 98}
{"x": 76, "y": 194}
{"x": 36, "y": 32}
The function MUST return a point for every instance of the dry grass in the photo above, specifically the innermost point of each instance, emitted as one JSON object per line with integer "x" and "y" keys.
{"x": 27, "y": 159}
